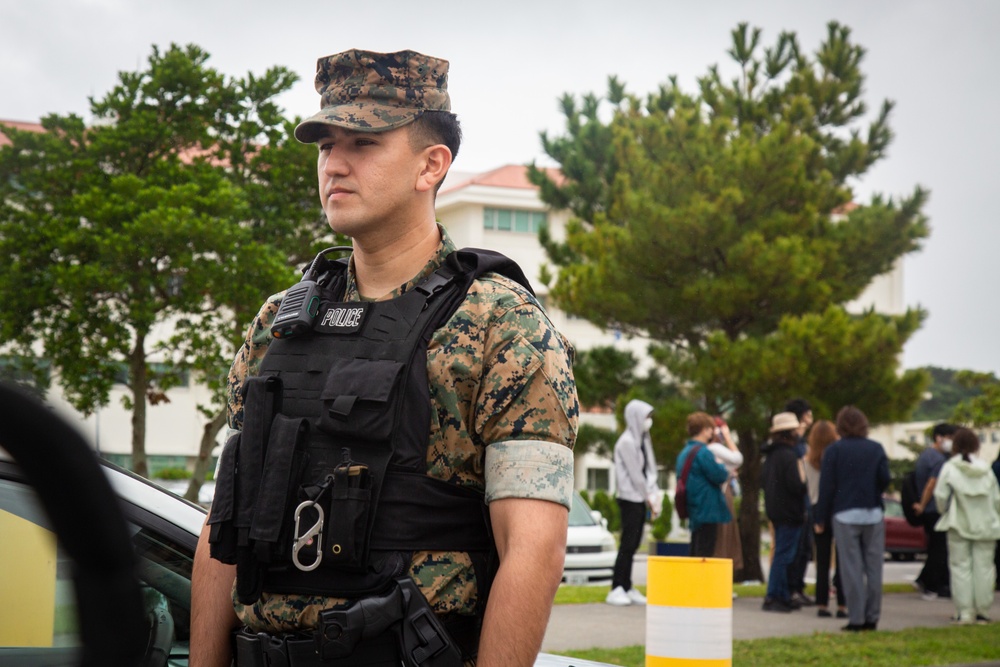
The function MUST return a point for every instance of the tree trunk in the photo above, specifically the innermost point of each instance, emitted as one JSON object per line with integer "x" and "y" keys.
{"x": 139, "y": 384}
{"x": 211, "y": 429}
{"x": 749, "y": 506}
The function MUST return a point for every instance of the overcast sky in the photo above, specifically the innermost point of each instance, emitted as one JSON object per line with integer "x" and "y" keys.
{"x": 510, "y": 63}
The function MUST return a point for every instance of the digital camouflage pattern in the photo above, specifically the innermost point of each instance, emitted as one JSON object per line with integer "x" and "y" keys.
{"x": 499, "y": 375}
{"x": 375, "y": 92}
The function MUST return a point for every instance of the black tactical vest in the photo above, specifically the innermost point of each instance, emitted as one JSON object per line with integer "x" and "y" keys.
{"x": 325, "y": 490}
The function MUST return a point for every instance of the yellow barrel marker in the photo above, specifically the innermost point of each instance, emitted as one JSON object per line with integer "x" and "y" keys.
{"x": 689, "y": 612}
{"x": 28, "y": 582}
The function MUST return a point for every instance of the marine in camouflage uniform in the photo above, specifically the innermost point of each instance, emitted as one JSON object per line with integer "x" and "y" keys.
{"x": 504, "y": 422}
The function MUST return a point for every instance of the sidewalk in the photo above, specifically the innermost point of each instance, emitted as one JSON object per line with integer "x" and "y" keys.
{"x": 599, "y": 625}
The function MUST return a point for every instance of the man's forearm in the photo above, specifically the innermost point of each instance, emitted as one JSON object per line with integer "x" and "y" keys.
{"x": 531, "y": 563}
{"x": 212, "y": 616}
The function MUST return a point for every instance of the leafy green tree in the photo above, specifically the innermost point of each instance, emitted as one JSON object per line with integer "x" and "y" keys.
{"x": 945, "y": 393}
{"x": 722, "y": 225}
{"x": 982, "y": 408}
{"x": 167, "y": 210}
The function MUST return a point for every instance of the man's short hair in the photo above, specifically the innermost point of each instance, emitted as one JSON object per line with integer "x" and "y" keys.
{"x": 436, "y": 127}
{"x": 942, "y": 430}
{"x": 698, "y": 422}
{"x": 852, "y": 423}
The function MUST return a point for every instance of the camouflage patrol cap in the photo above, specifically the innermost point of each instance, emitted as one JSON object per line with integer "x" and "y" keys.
{"x": 375, "y": 92}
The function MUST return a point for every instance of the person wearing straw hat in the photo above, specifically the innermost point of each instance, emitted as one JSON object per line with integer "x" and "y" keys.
{"x": 783, "y": 479}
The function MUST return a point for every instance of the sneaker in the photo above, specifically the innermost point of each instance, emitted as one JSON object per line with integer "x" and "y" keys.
{"x": 773, "y": 604}
{"x": 982, "y": 620}
{"x": 823, "y": 612}
{"x": 851, "y": 627}
{"x": 635, "y": 596}
{"x": 870, "y": 625}
{"x": 958, "y": 620}
{"x": 928, "y": 595}
{"x": 618, "y": 597}
{"x": 841, "y": 613}
{"x": 803, "y": 599}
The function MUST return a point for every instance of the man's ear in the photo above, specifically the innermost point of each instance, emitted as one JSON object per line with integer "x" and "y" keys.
{"x": 437, "y": 161}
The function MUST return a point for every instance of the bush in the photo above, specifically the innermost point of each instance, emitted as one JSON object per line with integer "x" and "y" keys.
{"x": 172, "y": 473}
{"x": 608, "y": 508}
{"x": 662, "y": 525}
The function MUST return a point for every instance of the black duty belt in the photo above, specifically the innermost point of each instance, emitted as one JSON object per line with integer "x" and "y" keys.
{"x": 264, "y": 650}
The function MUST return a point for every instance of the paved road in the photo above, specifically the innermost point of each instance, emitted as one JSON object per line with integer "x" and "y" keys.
{"x": 600, "y": 625}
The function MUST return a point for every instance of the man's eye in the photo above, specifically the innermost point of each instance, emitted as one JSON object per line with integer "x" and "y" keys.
{"x": 325, "y": 147}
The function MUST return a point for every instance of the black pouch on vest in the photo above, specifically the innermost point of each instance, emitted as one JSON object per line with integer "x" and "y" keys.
{"x": 350, "y": 504}
{"x": 355, "y": 396}
{"x": 222, "y": 533}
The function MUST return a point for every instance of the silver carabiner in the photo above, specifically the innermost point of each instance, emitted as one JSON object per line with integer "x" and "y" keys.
{"x": 305, "y": 539}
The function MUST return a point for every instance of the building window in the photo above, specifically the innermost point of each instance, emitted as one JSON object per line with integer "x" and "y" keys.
{"x": 508, "y": 220}
{"x": 598, "y": 479}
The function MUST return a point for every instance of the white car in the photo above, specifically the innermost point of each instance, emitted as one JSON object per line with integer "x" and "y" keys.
{"x": 591, "y": 549}
{"x": 65, "y": 600}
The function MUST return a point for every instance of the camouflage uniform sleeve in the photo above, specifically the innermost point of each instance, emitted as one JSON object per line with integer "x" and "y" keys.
{"x": 248, "y": 358}
{"x": 527, "y": 409}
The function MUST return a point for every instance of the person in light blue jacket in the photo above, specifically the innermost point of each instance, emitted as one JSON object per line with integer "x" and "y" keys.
{"x": 968, "y": 498}
{"x": 705, "y": 500}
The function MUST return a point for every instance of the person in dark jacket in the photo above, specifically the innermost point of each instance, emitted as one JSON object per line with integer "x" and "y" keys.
{"x": 855, "y": 472}
{"x": 784, "y": 480}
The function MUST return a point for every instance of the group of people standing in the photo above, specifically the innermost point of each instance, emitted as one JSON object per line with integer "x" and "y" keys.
{"x": 844, "y": 474}
{"x": 710, "y": 460}
{"x": 823, "y": 484}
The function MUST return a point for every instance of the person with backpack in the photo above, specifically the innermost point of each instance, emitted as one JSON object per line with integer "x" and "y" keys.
{"x": 932, "y": 582}
{"x": 701, "y": 478}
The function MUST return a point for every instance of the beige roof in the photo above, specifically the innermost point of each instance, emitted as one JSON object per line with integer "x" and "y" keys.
{"x": 20, "y": 125}
{"x": 507, "y": 176}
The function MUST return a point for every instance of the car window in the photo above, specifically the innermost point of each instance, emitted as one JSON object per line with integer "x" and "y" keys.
{"x": 38, "y": 620}
{"x": 579, "y": 513}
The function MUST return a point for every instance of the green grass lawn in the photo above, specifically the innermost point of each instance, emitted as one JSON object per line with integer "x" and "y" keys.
{"x": 915, "y": 646}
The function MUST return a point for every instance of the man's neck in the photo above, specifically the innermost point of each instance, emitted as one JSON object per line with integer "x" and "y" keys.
{"x": 384, "y": 262}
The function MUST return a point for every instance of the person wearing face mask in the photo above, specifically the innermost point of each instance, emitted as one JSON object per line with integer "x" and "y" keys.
{"x": 636, "y": 490}
{"x": 933, "y": 581}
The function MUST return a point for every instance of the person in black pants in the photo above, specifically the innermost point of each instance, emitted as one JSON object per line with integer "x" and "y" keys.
{"x": 822, "y": 435}
{"x": 933, "y": 580}
{"x": 635, "y": 487}
{"x": 804, "y": 551}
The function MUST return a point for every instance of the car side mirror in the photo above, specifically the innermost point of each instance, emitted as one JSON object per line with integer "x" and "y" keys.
{"x": 599, "y": 519}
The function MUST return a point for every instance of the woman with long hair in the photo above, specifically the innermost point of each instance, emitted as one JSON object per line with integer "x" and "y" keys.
{"x": 822, "y": 435}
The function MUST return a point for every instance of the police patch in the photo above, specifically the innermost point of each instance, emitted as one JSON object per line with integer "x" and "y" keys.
{"x": 342, "y": 318}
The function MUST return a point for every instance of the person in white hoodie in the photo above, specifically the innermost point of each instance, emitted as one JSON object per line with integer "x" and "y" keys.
{"x": 636, "y": 490}
{"x": 968, "y": 497}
